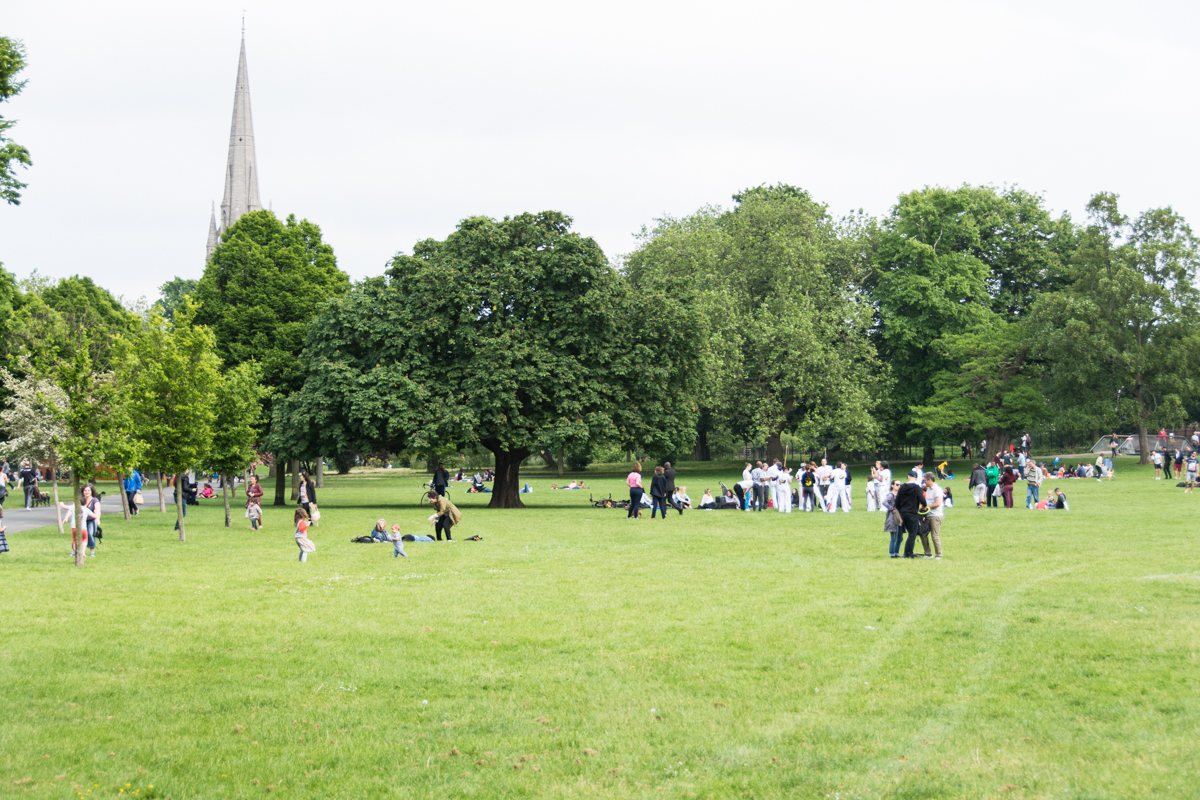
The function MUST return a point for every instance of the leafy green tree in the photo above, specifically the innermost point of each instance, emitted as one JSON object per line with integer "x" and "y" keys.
{"x": 35, "y": 431}
{"x": 1127, "y": 328}
{"x": 953, "y": 262}
{"x": 172, "y": 293}
{"x": 171, "y": 374}
{"x": 236, "y": 427}
{"x": 778, "y": 284}
{"x": 508, "y": 334}
{"x": 265, "y": 282}
{"x": 12, "y": 61}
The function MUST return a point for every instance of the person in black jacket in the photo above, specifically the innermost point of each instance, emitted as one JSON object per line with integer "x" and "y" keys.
{"x": 658, "y": 493}
{"x": 441, "y": 479}
{"x": 28, "y": 483}
{"x": 669, "y": 474}
{"x": 909, "y": 502}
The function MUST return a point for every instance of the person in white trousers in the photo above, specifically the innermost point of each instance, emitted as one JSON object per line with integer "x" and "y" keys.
{"x": 773, "y": 483}
{"x": 883, "y": 484}
{"x": 837, "y": 490}
{"x": 783, "y": 493}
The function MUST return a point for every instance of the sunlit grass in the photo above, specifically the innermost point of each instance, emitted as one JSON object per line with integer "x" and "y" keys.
{"x": 573, "y": 652}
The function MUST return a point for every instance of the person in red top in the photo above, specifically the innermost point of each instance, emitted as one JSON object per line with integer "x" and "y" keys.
{"x": 634, "y": 482}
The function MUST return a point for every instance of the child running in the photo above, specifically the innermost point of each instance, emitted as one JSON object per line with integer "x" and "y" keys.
{"x": 302, "y": 541}
{"x": 397, "y": 541}
{"x": 254, "y": 510}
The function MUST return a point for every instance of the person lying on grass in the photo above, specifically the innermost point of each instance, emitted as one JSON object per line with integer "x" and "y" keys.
{"x": 379, "y": 532}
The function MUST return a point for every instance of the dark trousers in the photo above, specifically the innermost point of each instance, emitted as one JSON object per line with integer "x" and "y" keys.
{"x": 1006, "y": 493}
{"x": 657, "y": 503}
{"x": 635, "y": 501}
{"x": 911, "y": 523}
{"x": 741, "y": 495}
{"x": 1167, "y": 468}
{"x": 993, "y": 501}
{"x": 184, "y": 510}
{"x": 760, "y": 497}
{"x": 440, "y": 490}
{"x": 132, "y": 505}
{"x": 30, "y": 493}
{"x": 443, "y": 524}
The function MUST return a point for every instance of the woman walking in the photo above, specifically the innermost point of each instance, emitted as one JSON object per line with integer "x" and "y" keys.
{"x": 302, "y": 541}
{"x": 254, "y": 494}
{"x": 658, "y": 493}
{"x": 447, "y": 515}
{"x": 91, "y": 517}
{"x": 634, "y": 482}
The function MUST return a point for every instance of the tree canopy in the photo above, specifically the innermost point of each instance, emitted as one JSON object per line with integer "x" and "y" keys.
{"x": 12, "y": 61}
{"x": 509, "y": 333}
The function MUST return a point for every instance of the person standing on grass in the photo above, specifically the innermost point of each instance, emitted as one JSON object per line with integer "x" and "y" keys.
{"x": 254, "y": 512}
{"x": 28, "y": 483}
{"x": 308, "y": 494}
{"x": 397, "y": 541}
{"x": 978, "y": 484}
{"x": 448, "y": 515}
{"x": 837, "y": 490}
{"x": 909, "y": 502}
{"x": 132, "y": 485}
{"x": 302, "y": 541}
{"x": 935, "y": 501}
{"x": 1113, "y": 444}
{"x": 658, "y": 493}
{"x": 1192, "y": 464}
{"x": 1006, "y": 486}
{"x": 254, "y": 493}
{"x": 808, "y": 488}
{"x": 1157, "y": 458}
{"x": 1108, "y": 468}
{"x": 669, "y": 475}
{"x": 1178, "y": 463}
{"x": 3, "y": 540}
{"x": 441, "y": 479}
{"x": 1033, "y": 481}
{"x": 773, "y": 483}
{"x": 91, "y": 517}
{"x": 993, "y": 479}
{"x": 758, "y": 475}
{"x": 884, "y": 481}
{"x": 890, "y": 524}
{"x": 634, "y": 481}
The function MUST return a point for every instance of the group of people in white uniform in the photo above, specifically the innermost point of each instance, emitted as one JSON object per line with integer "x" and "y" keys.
{"x": 813, "y": 487}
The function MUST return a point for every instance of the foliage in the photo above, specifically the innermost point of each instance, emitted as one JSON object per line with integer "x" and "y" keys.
{"x": 1128, "y": 326}
{"x": 236, "y": 425}
{"x": 172, "y": 293}
{"x": 778, "y": 283}
{"x": 509, "y": 334}
{"x": 12, "y": 61}
{"x": 264, "y": 283}
{"x": 35, "y": 429}
{"x": 171, "y": 375}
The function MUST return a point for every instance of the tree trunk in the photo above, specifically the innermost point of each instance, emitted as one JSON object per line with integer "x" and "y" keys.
{"x": 80, "y": 531}
{"x": 319, "y": 476}
{"x": 124, "y": 497}
{"x": 774, "y": 447}
{"x": 294, "y": 467}
{"x": 225, "y": 492}
{"x": 928, "y": 459}
{"x": 1143, "y": 442}
{"x": 179, "y": 501}
{"x": 162, "y": 498}
{"x": 700, "y": 452}
{"x": 271, "y": 470}
{"x": 506, "y": 490}
{"x": 280, "y": 485}
{"x": 548, "y": 457}
{"x": 561, "y": 462}
{"x": 998, "y": 441}
{"x": 54, "y": 483}
{"x": 431, "y": 463}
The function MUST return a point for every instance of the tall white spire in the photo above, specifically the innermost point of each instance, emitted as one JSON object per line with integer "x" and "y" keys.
{"x": 241, "y": 169}
{"x": 213, "y": 235}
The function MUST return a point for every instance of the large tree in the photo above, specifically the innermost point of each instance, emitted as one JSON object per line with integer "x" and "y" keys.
{"x": 509, "y": 334}
{"x": 34, "y": 429}
{"x": 236, "y": 426}
{"x": 1127, "y": 328}
{"x": 778, "y": 282}
{"x": 12, "y": 61}
{"x": 262, "y": 286}
{"x": 955, "y": 263}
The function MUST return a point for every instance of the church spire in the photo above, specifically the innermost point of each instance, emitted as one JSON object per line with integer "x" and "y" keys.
{"x": 213, "y": 236}
{"x": 241, "y": 171}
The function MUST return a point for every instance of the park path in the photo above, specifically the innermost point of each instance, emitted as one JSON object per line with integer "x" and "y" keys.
{"x": 17, "y": 519}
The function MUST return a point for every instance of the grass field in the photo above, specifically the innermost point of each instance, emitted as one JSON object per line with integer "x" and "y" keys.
{"x": 574, "y": 653}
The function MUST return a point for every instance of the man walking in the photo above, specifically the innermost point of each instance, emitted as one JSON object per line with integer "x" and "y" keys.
{"x": 935, "y": 499}
{"x": 909, "y": 501}
{"x": 978, "y": 484}
{"x": 1033, "y": 480}
{"x": 28, "y": 483}
{"x": 132, "y": 485}
{"x": 441, "y": 480}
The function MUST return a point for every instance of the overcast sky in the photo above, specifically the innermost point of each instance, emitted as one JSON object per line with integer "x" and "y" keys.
{"x": 386, "y": 123}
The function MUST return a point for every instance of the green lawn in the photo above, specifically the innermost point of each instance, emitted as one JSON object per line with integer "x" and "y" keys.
{"x": 575, "y": 653}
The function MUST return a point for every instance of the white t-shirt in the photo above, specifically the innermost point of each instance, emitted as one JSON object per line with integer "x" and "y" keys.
{"x": 746, "y": 474}
{"x": 839, "y": 477}
{"x": 772, "y": 473}
{"x": 1157, "y": 458}
{"x": 916, "y": 472}
{"x": 885, "y": 478}
{"x": 747, "y": 484}
{"x": 935, "y": 494}
{"x": 824, "y": 473}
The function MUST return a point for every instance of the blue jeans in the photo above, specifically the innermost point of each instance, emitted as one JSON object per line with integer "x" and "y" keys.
{"x": 184, "y": 512}
{"x": 894, "y": 545}
{"x": 1031, "y": 493}
{"x": 90, "y": 525}
{"x": 635, "y": 501}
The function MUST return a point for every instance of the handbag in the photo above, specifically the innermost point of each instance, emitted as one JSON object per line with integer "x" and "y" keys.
{"x": 137, "y": 499}
{"x": 897, "y": 519}
{"x": 316, "y": 512}
{"x": 996, "y": 491}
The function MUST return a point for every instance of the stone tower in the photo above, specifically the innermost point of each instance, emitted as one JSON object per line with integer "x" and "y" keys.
{"x": 241, "y": 169}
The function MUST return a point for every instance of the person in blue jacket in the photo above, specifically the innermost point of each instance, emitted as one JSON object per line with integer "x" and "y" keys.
{"x": 133, "y": 485}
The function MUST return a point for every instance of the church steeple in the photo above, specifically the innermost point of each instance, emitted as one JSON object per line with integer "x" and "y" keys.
{"x": 241, "y": 168}
{"x": 213, "y": 236}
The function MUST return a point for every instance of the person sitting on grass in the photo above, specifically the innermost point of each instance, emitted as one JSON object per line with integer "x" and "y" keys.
{"x": 379, "y": 532}
{"x": 679, "y": 499}
{"x": 397, "y": 541}
{"x": 707, "y": 501}
{"x": 207, "y": 491}
{"x": 1060, "y": 500}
